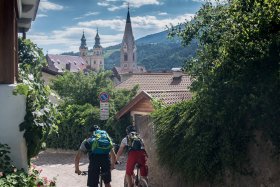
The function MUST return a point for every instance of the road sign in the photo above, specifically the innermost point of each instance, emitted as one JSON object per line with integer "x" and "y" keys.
{"x": 104, "y": 97}
{"x": 104, "y": 110}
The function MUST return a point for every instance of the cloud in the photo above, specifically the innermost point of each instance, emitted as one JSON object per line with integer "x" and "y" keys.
{"x": 41, "y": 15}
{"x": 138, "y": 22}
{"x": 139, "y": 3}
{"x": 211, "y": 1}
{"x": 115, "y": 24}
{"x": 87, "y": 14}
{"x": 68, "y": 38}
{"x": 46, "y": 5}
{"x": 162, "y": 13}
{"x": 105, "y": 4}
{"x": 114, "y": 5}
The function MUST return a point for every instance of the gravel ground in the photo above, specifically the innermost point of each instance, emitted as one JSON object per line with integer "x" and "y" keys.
{"x": 60, "y": 165}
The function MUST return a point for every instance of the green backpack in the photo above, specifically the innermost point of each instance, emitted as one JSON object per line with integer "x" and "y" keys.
{"x": 100, "y": 142}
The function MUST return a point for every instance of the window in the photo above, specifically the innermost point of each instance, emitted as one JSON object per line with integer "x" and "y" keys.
{"x": 125, "y": 57}
{"x": 100, "y": 62}
{"x": 94, "y": 62}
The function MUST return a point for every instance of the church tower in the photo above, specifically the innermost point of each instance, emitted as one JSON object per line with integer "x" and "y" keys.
{"x": 83, "y": 48}
{"x": 128, "y": 61}
{"x": 97, "y": 60}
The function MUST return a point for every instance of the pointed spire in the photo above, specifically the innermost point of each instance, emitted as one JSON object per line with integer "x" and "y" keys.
{"x": 97, "y": 39}
{"x": 83, "y": 41}
{"x": 128, "y": 15}
{"x": 97, "y": 35}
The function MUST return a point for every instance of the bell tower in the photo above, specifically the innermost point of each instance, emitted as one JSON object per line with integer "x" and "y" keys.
{"x": 97, "y": 60}
{"x": 83, "y": 48}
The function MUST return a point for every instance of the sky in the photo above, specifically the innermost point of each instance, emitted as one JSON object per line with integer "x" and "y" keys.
{"x": 59, "y": 24}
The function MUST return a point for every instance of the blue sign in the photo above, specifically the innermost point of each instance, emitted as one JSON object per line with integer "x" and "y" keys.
{"x": 104, "y": 97}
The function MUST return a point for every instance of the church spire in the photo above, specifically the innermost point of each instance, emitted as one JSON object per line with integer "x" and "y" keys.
{"x": 128, "y": 15}
{"x": 128, "y": 59}
{"x": 97, "y": 39}
{"x": 83, "y": 41}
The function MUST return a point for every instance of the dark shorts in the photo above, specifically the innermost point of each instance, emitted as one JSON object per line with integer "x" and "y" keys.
{"x": 96, "y": 163}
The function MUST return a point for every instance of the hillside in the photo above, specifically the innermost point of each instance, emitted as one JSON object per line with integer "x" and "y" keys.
{"x": 156, "y": 52}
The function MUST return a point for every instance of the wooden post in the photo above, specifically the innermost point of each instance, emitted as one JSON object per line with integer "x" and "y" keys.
{"x": 8, "y": 40}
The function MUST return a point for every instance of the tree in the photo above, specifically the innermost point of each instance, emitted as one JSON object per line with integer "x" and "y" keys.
{"x": 236, "y": 90}
{"x": 80, "y": 107}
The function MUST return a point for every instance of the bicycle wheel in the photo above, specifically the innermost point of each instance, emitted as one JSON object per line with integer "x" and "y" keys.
{"x": 125, "y": 183}
{"x": 143, "y": 183}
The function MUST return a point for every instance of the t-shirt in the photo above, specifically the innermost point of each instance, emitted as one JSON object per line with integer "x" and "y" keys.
{"x": 124, "y": 141}
{"x": 83, "y": 147}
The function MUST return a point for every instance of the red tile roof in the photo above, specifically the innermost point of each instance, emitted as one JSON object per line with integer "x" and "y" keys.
{"x": 160, "y": 86}
{"x": 137, "y": 69}
{"x": 156, "y": 81}
{"x": 170, "y": 97}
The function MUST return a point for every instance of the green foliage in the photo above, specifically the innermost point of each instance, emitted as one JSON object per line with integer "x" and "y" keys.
{"x": 11, "y": 177}
{"x": 40, "y": 112}
{"x": 76, "y": 121}
{"x": 79, "y": 88}
{"x": 80, "y": 108}
{"x": 19, "y": 178}
{"x": 5, "y": 160}
{"x": 236, "y": 91}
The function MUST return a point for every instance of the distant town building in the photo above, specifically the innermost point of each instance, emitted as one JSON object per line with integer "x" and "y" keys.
{"x": 128, "y": 58}
{"x": 94, "y": 60}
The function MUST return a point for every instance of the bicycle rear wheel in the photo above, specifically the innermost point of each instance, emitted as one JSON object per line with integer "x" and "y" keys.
{"x": 142, "y": 183}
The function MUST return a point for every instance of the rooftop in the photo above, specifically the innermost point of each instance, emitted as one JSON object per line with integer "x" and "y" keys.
{"x": 156, "y": 81}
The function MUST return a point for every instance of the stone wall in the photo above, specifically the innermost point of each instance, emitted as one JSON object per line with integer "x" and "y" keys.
{"x": 265, "y": 168}
{"x": 158, "y": 176}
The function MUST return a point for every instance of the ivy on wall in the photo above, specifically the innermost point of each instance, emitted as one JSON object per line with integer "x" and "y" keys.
{"x": 41, "y": 114}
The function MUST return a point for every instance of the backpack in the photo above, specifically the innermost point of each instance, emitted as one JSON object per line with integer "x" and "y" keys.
{"x": 134, "y": 142}
{"x": 100, "y": 143}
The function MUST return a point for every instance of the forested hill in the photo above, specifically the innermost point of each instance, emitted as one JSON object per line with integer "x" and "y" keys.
{"x": 156, "y": 52}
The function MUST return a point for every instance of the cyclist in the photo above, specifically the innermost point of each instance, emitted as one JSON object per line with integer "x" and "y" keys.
{"x": 98, "y": 160}
{"x": 136, "y": 154}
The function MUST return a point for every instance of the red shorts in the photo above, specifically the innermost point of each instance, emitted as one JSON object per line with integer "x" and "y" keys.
{"x": 137, "y": 157}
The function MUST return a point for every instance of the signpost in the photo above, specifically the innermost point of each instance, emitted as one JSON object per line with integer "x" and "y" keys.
{"x": 104, "y": 106}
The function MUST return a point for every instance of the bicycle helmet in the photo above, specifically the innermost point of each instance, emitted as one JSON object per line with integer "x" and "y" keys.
{"x": 130, "y": 128}
{"x": 94, "y": 128}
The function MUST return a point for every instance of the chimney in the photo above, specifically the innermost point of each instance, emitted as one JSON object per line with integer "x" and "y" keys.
{"x": 177, "y": 73}
{"x": 68, "y": 66}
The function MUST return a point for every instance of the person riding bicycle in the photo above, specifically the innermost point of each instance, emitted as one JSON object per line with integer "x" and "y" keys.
{"x": 136, "y": 154}
{"x": 99, "y": 148}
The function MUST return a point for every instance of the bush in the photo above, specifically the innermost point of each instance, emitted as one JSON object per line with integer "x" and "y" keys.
{"x": 11, "y": 177}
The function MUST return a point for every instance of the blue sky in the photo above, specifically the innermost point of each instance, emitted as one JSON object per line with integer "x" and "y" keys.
{"x": 59, "y": 23}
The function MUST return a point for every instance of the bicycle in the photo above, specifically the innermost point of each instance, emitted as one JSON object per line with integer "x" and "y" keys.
{"x": 137, "y": 180}
{"x": 100, "y": 183}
